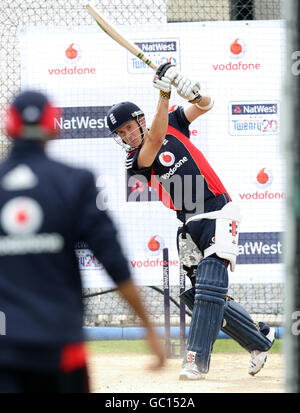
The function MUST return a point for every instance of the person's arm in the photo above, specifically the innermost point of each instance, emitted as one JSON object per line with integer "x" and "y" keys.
{"x": 200, "y": 104}
{"x": 156, "y": 135}
{"x": 130, "y": 293}
{"x": 193, "y": 111}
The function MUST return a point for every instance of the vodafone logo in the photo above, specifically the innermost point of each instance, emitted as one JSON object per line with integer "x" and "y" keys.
{"x": 71, "y": 52}
{"x": 72, "y": 55}
{"x": 173, "y": 108}
{"x": 155, "y": 245}
{"x": 237, "y": 49}
{"x": 264, "y": 178}
{"x": 167, "y": 158}
{"x": 153, "y": 248}
{"x": 20, "y": 216}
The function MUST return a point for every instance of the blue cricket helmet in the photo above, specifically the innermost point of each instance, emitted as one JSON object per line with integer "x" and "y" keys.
{"x": 121, "y": 113}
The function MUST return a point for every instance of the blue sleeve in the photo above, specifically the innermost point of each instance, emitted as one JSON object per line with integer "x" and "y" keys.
{"x": 98, "y": 231}
{"x": 178, "y": 120}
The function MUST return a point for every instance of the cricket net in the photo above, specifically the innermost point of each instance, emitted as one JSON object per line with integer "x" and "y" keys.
{"x": 103, "y": 306}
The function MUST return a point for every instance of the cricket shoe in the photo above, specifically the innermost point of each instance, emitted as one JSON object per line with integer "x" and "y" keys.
{"x": 259, "y": 358}
{"x": 190, "y": 370}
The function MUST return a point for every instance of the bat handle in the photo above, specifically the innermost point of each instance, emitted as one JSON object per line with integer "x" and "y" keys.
{"x": 197, "y": 93}
{"x": 196, "y": 90}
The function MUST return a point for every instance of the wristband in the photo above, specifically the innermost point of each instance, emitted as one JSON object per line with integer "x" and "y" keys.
{"x": 207, "y": 107}
{"x": 196, "y": 99}
{"x": 164, "y": 95}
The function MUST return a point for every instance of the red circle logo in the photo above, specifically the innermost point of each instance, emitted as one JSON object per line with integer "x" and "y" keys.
{"x": 167, "y": 158}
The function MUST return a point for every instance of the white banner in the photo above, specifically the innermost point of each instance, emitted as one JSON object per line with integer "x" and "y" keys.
{"x": 240, "y": 64}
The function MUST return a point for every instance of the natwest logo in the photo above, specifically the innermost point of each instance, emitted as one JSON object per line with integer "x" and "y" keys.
{"x": 83, "y": 122}
{"x": 254, "y": 108}
{"x": 237, "y": 49}
{"x": 253, "y": 118}
{"x": 159, "y": 51}
{"x": 164, "y": 46}
{"x": 260, "y": 248}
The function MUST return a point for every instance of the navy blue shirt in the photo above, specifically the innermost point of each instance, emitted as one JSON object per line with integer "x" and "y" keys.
{"x": 179, "y": 158}
{"x": 45, "y": 208}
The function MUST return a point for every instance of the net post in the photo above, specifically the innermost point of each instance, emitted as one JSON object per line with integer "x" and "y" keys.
{"x": 182, "y": 312}
{"x": 166, "y": 288}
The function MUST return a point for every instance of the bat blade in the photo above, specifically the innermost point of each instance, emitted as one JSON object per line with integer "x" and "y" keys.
{"x": 115, "y": 35}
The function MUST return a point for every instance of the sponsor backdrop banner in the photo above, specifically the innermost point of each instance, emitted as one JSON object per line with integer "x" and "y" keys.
{"x": 240, "y": 64}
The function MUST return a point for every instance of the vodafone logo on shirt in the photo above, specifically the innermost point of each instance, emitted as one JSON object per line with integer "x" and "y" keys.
{"x": 167, "y": 158}
{"x": 21, "y": 215}
{"x": 21, "y": 218}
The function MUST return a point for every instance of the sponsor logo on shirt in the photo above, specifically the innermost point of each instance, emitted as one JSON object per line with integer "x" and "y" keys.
{"x": 21, "y": 218}
{"x": 174, "y": 169}
{"x": 166, "y": 158}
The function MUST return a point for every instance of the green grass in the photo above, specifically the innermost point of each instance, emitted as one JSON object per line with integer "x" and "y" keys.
{"x": 231, "y": 346}
{"x": 118, "y": 346}
{"x": 141, "y": 346}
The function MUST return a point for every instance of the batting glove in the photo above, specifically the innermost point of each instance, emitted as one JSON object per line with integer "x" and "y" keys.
{"x": 187, "y": 89}
{"x": 162, "y": 83}
{"x": 163, "y": 79}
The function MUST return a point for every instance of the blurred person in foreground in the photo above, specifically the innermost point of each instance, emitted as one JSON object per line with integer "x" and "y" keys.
{"x": 45, "y": 208}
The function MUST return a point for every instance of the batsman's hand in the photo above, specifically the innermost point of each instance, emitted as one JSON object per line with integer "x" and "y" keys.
{"x": 188, "y": 89}
{"x": 164, "y": 77}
